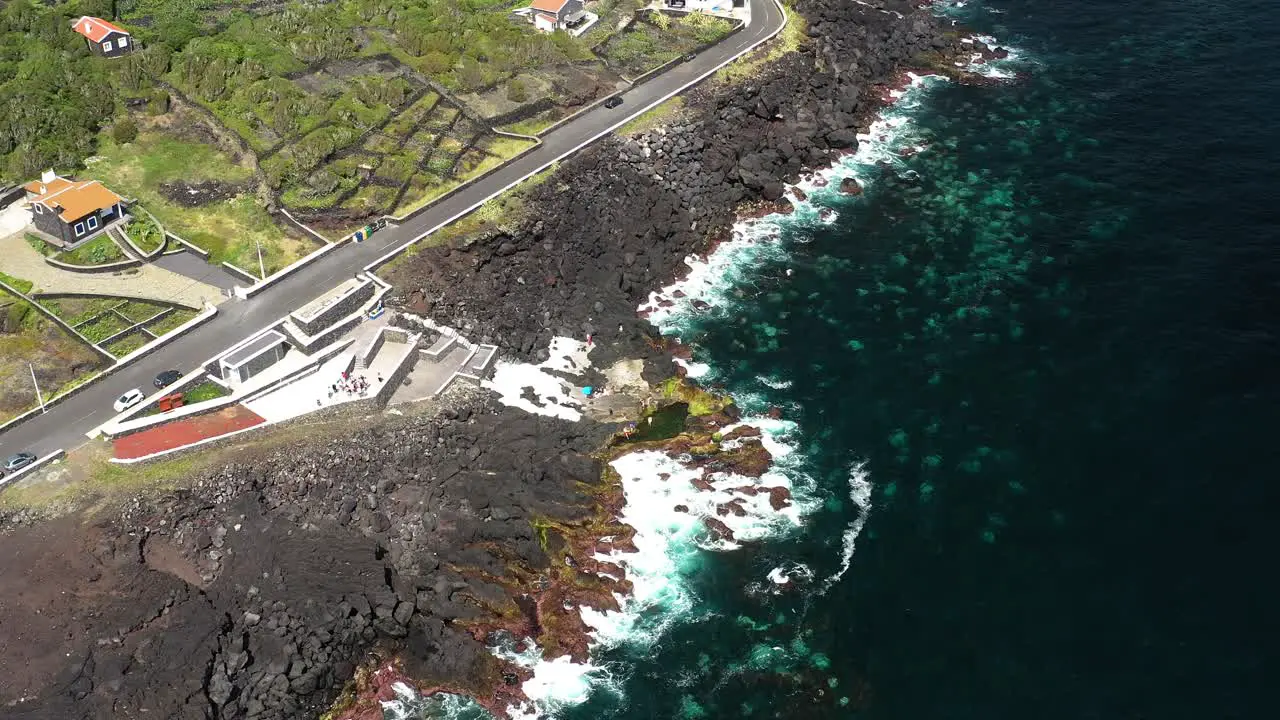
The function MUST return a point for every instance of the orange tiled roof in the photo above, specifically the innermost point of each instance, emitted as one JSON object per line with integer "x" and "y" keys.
{"x": 96, "y": 29}
{"x": 548, "y": 6}
{"x": 42, "y": 188}
{"x": 73, "y": 200}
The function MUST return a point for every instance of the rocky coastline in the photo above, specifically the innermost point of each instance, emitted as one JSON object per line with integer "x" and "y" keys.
{"x": 308, "y": 581}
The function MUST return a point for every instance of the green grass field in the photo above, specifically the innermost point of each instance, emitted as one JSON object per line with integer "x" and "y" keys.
{"x": 101, "y": 250}
{"x": 229, "y": 229}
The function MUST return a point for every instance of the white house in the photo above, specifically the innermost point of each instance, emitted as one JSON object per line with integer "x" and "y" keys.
{"x": 552, "y": 15}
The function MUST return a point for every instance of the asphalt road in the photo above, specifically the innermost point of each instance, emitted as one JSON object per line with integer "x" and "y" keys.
{"x": 66, "y": 424}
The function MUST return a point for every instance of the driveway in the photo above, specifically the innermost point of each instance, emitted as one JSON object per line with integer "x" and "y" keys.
{"x": 190, "y": 265}
{"x": 148, "y": 282}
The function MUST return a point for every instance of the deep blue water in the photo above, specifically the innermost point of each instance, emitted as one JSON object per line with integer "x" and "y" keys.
{"x": 1050, "y": 340}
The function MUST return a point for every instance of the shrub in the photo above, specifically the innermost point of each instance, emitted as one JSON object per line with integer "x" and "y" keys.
{"x": 125, "y": 131}
{"x": 516, "y": 91}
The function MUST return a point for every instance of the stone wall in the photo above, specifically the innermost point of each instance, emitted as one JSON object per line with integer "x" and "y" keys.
{"x": 336, "y": 311}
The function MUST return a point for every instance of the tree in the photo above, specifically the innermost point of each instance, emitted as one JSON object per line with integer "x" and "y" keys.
{"x": 516, "y": 91}
{"x": 125, "y": 130}
{"x": 470, "y": 74}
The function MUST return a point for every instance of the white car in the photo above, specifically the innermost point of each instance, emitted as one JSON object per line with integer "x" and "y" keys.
{"x": 128, "y": 400}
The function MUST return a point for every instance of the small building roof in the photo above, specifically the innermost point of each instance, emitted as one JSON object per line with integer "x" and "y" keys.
{"x": 96, "y": 29}
{"x": 548, "y": 6}
{"x": 252, "y": 349}
{"x": 70, "y": 199}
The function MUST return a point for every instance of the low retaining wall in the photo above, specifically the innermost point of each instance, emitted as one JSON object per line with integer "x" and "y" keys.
{"x": 263, "y": 284}
{"x": 353, "y": 408}
{"x": 52, "y": 457}
{"x": 164, "y": 237}
{"x": 410, "y": 215}
{"x": 59, "y": 321}
{"x": 204, "y": 254}
{"x": 94, "y": 269}
{"x": 240, "y": 272}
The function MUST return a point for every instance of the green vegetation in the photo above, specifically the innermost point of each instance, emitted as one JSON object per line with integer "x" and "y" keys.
{"x": 29, "y": 342}
{"x": 327, "y": 109}
{"x": 700, "y": 402}
{"x": 98, "y": 251}
{"x": 786, "y": 42}
{"x": 54, "y": 94}
{"x": 103, "y": 327}
{"x": 38, "y": 244}
{"x": 139, "y": 310}
{"x": 144, "y": 232}
{"x": 230, "y": 229}
{"x": 22, "y": 286}
{"x": 124, "y": 131}
{"x": 662, "y": 38}
{"x": 75, "y": 310}
{"x": 127, "y": 344}
{"x": 655, "y": 117}
{"x": 207, "y": 390}
{"x": 505, "y": 210}
{"x": 173, "y": 320}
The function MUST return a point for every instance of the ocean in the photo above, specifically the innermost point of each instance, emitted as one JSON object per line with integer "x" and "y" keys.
{"x": 1027, "y": 382}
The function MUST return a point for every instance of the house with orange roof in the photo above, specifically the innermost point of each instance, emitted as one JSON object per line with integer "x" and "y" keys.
{"x": 72, "y": 211}
{"x": 552, "y": 15}
{"x": 105, "y": 38}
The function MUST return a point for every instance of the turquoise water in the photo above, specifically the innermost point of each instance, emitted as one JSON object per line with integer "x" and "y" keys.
{"x": 1032, "y": 376}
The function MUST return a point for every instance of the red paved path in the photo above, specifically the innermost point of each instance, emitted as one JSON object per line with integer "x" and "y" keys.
{"x": 185, "y": 432}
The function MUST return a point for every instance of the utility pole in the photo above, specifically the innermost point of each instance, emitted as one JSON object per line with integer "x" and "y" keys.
{"x": 37, "y": 384}
{"x": 262, "y": 269}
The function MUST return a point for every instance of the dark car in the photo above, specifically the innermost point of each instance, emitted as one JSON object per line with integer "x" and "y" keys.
{"x": 613, "y": 102}
{"x": 691, "y": 57}
{"x": 168, "y": 377}
{"x": 18, "y": 461}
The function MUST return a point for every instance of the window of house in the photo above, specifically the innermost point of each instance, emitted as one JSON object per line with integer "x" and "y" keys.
{"x": 79, "y": 229}
{"x": 93, "y": 223}
{"x": 122, "y": 42}
{"x": 106, "y": 46}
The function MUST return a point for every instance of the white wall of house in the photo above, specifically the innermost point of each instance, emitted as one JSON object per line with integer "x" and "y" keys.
{"x": 541, "y": 22}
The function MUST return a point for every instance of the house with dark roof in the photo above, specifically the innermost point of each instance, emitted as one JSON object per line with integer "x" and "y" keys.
{"x": 104, "y": 38}
{"x": 552, "y": 15}
{"x": 72, "y": 211}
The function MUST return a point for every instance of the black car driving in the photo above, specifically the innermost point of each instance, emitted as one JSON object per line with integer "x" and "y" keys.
{"x": 167, "y": 378}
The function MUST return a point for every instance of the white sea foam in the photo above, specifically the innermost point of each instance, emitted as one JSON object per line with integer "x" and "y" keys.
{"x": 790, "y": 572}
{"x": 860, "y": 493}
{"x": 556, "y": 397}
{"x": 670, "y": 542}
{"x": 693, "y": 370}
{"x": 556, "y": 684}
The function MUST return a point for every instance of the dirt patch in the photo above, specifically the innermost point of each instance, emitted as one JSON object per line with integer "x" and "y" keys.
{"x": 58, "y": 577}
{"x": 189, "y": 194}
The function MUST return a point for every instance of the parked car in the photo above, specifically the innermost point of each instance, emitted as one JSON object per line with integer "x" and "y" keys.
{"x": 613, "y": 102}
{"x": 167, "y": 378}
{"x": 128, "y": 400}
{"x": 17, "y": 462}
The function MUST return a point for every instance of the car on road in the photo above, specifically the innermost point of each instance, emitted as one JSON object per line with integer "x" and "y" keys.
{"x": 691, "y": 57}
{"x": 613, "y": 102}
{"x": 128, "y": 400}
{"x": 167, "y": 378}
{"x": 16, "y": 462}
